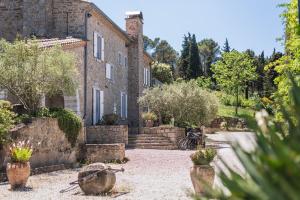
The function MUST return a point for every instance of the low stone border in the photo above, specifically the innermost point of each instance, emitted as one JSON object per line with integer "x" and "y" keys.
{"x": 107, "y": 134}
{"x": 104, "y": 152}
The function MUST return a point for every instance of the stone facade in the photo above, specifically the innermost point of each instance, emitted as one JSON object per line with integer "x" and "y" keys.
{"x": 82, "y": 19}
{"x": 107, "y": 134}
{"x": 104, "y": 152}
{"x": 50, "y": 146}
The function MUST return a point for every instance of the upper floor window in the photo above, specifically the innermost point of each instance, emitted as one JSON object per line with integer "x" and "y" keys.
{"x": 98, "y": 46}
{"x": 120, "y": 59}
{"x": 146, "y": 77}
{"x": 109, "y": 71}
{"x": 126, "y": 61}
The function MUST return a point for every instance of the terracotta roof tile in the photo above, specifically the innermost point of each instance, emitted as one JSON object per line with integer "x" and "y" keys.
{"x": 69, "y": 41}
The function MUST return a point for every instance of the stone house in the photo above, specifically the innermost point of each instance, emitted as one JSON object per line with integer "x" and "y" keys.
{"x": 114, "y": 68}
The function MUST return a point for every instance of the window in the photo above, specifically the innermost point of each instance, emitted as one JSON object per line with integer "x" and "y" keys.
{"x": 123, "y": 105}
{"x": 146, "y": 77}
{"x": 120, "y": 59}
{"x": 126, "y": 61}
{"x": 98, "y": 105}
{"x": 109, "y": 71}
{"x": 98, "y": 46}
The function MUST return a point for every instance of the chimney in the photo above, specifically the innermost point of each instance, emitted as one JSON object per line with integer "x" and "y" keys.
{"x": 134, "y": 28}
{"x": 134, "y": 23}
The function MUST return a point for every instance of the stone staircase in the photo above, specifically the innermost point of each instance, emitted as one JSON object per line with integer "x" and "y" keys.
{"x": 150, "y": 141}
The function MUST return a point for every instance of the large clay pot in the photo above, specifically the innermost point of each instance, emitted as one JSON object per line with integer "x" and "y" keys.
{"x": 201, "y": 176}
{"x": 17, "y": 174}
{"x": 149, "y": 123}
{"x": 96, "y": 179}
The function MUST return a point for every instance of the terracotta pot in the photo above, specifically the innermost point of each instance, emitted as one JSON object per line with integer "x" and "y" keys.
{"x": 17, "y": 174}
{"x": 202, "y": 176}
{"x": 149, "y": 123}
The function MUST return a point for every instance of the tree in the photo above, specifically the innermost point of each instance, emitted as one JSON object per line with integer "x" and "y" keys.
{"x": 209, "y": 51}
{"x": 289, "y": 63}
{"x": 164, "y": 53}
{"x": 226, "y": 47}
{"x": 233, "y": 71}
{"x": 162, "y": 72}
{"x": 194, "y": 67}
{"x": 28, "y": 72}
{"x": 261, "y": 74}
{"x": 271, "y": 74}
{"x": 149, "y": 44}
{"x": 186, "y": 102}
{"x": 251, "y": 84}
{"x": 183, "y": 61}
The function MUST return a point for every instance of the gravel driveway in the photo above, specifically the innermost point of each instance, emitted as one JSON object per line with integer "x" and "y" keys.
{"x": 149, "y": 175}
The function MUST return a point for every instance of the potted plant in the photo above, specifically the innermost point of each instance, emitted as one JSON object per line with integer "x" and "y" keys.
{"x": 149, "y": 118}
{"x": 18, "y": 170}
{"x": 202, "y": 174}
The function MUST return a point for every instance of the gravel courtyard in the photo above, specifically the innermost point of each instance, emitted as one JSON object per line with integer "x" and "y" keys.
{"x": 149, "y": 175}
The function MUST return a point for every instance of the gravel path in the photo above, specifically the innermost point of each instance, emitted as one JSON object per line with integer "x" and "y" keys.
{"x": 149, "y": 175}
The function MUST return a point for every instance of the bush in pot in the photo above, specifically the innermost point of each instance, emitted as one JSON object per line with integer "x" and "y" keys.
{"x": 149, "y": 118}
{"x": 18, "y": 170}
{"x": 202, "y": 174}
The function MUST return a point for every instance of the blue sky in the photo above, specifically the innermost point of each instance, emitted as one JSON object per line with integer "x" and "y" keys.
{"x": 253, "y": 24}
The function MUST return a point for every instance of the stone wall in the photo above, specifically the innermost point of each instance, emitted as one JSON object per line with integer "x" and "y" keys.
{"x": 104, "y": 152}
{"x": 11, "y": 18}
{"x": 173, "y": 133}
{"x": 107, "y": 134}
{"x": 51, "y": 147}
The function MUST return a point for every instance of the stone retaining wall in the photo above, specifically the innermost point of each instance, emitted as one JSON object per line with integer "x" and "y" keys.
{"x": 173, "y": 133}
{"x": 50, "y": 146}
{"x": 107, "y": 134}
{"x": 104, "y": 152}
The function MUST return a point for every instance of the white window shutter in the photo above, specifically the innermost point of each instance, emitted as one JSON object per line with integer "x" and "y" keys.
{"x": 121, "y": 111}
{"x": 102, "y": 49}
{"x": 101, "y": 104}
{"x": 148, "y": 76}
{"x": 108, "y": 71}
{"x": 126, "y": 106}
{"x": 95, "y": 44}
{"x": 94, "y": 107}
{"x": 144, "y": 76}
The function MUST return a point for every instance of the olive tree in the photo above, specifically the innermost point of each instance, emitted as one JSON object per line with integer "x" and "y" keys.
{"x": 28, "y": 71}
{"x": 186, "y": 102}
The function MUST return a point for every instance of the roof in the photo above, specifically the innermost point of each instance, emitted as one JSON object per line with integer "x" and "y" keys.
{"x": 148, "y": 55}
{"x": 110, "y": 21}
{"x": 68, "y": 42}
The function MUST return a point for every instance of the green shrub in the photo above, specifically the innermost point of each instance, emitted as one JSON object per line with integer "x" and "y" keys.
{"x": 5, "y": 105}
{"x": 20, "y": 152}
{"x": 230, "y": 100}
{"x": 203, "y": 156}
{"x": 69, "y": 123}
{"x": 149, "y": 116}
{"x": 6, "y": 122}
{"x": 110, "y": 119}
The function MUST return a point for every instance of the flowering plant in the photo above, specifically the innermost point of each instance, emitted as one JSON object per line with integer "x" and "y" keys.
{"x": 20, "y": 152}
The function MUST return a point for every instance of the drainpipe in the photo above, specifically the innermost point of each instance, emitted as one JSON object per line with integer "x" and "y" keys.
{"x": 87, "y": 15}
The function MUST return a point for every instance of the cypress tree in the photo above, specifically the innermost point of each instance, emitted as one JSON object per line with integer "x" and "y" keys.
{"x": 184, "y": 62}
{"x": 194, "y": 67}
{"x": 226, "y": 47}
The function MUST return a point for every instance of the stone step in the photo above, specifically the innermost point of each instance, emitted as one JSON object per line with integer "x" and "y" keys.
{"x": 148, "y": 139}
{"x": 159, "y": 147}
